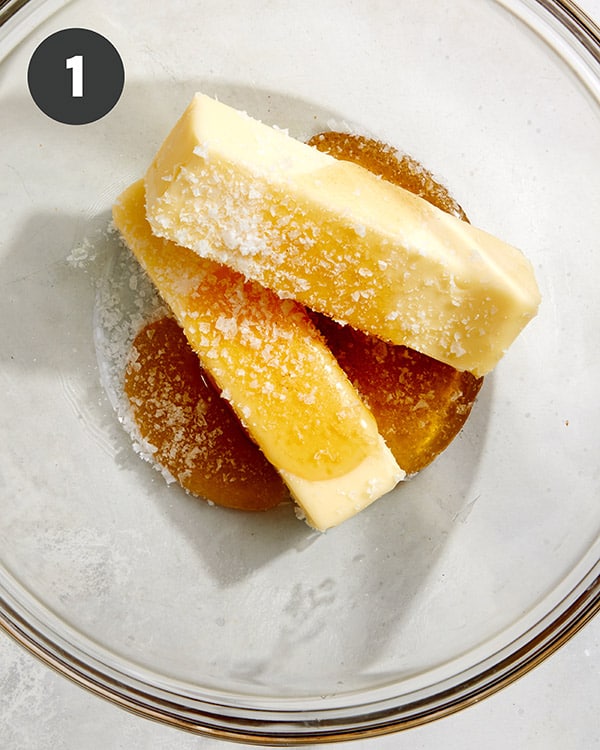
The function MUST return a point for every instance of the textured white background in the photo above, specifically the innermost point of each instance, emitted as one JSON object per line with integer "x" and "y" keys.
{"x": 555, "y": 706}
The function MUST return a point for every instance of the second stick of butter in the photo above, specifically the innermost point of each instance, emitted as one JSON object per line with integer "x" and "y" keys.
{"x": 275, "y": 370}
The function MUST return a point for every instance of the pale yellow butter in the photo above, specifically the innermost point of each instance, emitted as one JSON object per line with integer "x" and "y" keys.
{"x": 275, "y": 370}
{"x": 333, "y": 236}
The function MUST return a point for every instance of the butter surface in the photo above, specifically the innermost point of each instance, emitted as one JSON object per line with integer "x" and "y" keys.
{"x": 333, "y": 236}
{"x": 275, "y": 370}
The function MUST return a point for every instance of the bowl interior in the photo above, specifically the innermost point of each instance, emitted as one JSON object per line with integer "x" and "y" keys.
{"x": 245, "y": 609}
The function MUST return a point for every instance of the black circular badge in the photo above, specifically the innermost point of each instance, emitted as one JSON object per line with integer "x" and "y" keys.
{"x": 76, "y": 76}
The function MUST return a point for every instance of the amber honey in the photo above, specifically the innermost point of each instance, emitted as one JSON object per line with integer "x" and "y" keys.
{"x": 419, "y": 404}
{"x": 197, "y": 436}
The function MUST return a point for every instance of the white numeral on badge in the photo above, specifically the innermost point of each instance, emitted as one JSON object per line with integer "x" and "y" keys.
{"x": 76, "y": 65}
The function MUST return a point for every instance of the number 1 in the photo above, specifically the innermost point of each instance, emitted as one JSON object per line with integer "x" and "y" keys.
{"x": 76, "y": 65}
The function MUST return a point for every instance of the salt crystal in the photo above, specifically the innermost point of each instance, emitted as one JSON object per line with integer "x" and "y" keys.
{"x": 201, "y": 150}
{"x": 456, "y": 347}
{"x": 227, "y": 326}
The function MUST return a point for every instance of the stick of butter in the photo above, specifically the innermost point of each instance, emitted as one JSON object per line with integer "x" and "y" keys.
{"x": 333, "y": 236}
{"x": 276, "y": 371}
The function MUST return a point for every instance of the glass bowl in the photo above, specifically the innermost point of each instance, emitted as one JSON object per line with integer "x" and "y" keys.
{"x": 253, "y": 627}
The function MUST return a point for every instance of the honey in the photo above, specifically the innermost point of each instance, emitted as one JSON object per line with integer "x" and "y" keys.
{"x": 419, "y": 404}
{"x": 197, "y": 436}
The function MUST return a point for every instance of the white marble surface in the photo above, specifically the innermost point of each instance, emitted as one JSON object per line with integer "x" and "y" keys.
{"x": 554, "y": 706}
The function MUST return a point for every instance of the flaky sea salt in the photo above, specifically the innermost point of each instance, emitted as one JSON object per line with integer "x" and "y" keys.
{"x": 125, "y": 301}
{"x": 201, "y": 150}
{"x": 227, "y": 325}
{"x": 82, "y": 254}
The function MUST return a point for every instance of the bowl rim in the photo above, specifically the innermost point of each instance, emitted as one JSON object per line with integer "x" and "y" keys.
{"x": 316, "y": 725}
{"x": 577, "y": 21}
{"x": 323, "y": 726}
